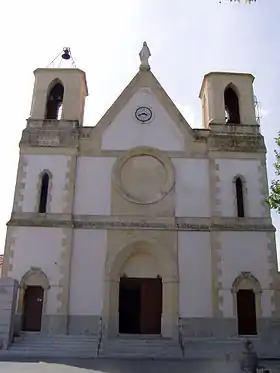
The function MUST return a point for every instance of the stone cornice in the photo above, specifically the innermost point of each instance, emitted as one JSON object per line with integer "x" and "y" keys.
{"x": 224, "y": 138}
{"x": 140, "y": 223}
{"x": 50, "y": 137}
{"x": 236, "y": 143}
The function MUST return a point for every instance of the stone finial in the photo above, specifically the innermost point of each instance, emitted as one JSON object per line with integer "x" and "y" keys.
{"x": 144, "y": 55}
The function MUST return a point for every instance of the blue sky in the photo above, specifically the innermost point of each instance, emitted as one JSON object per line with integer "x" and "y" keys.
{"x": 187, "y": 39}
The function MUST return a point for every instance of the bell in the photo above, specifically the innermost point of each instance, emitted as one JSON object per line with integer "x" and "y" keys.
{"x": 66, "y": 53}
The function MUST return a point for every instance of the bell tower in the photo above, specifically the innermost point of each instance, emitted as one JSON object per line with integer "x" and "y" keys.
{"x": 59, "y": 94}
{"x": 228, "y": 98}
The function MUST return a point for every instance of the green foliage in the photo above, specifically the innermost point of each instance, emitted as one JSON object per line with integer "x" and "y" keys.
{"x": 274, "y": 197}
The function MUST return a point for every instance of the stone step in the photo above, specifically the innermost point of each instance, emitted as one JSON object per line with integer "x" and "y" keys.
{"x": 35, "y": 344}
{"x": 230, "y": 348}
{"x": 149, "y": 348}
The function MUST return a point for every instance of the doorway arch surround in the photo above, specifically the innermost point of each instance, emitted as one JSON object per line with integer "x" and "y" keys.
{"x": 167, "y": 266}
{"x": 34, "y": 277}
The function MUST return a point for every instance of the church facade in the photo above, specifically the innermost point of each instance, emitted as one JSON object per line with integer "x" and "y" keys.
{"x": 141, "y": 224}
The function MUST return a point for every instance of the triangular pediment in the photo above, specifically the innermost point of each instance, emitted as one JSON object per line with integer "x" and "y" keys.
{"x": 120, "y": 120}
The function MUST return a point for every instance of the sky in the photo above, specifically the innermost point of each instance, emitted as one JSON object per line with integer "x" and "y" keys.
{"x": 187, "y": 39}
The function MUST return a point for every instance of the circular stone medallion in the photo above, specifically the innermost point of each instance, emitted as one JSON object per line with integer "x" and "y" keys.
{"x": 144, "y": 177}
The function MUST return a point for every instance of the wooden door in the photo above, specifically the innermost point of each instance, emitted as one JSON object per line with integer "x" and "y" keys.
{"x": 32, "y": 308}
{"x": 151, "y": 306}
{"x": 129, "y": 306}
{"x": 246, "y": 312}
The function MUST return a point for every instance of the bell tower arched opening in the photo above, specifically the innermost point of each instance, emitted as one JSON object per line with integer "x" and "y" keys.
{"x": 55, "y": 101}
{"x": 231, "y": 106}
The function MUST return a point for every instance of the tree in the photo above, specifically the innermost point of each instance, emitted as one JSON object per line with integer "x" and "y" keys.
{"x": 274, "y": 197}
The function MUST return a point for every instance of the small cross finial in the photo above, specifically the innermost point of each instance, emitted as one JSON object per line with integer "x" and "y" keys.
{"x": 144, "y": 55}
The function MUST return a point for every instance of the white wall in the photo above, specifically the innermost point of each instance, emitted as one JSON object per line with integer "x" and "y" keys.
{"x": 93, "y": 185}
{"x": 87, "y": 272}
{"x": 39, "y": 247}
{"x": 192, "y": 187}
{"x": 228, "y": 169}
{"x": 195, "y": 290}
{"x": 125, "y": 132}
{"x": 244, "y": 251}
{"x": 57, "y": 165}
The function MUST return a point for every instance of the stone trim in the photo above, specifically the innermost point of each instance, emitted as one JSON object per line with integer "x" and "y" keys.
{"x": 215, "y": 201}
{"x": 263, "y": 183}
{"x": 236, "y": 143}
{"x": 20, "y": 184}
{"x": 199, "y": 151}
{"x": 9, "y": 252}
{"x": 247, "y": 281}
{"x": 136, "y": 222}
{"x": 63, "y": 296}
{"x": 162, "y": 246}
{"x": 245, "y": 196}
{"x": 141, "y": 151}
{"x": 274, "y": 274}
{"x": 53, "y": 137}
{"x": 216, "y": 261}
{"x": 34, "y": 277}
{"x": 69, "y": 187}
{"x": 148, "y": 80}
{"x": 64, "y": 282}
{"x": 39, "y": 188}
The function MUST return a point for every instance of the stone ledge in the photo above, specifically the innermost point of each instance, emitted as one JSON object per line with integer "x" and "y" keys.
{"x": 127, "y": 222}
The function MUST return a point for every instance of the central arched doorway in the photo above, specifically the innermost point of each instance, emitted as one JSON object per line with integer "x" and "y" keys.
{"x": 140, "y": 305}
{"x": 141, "y": 291}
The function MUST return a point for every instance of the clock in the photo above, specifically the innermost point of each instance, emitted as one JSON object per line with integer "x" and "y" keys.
{"x": 143, "y": 114}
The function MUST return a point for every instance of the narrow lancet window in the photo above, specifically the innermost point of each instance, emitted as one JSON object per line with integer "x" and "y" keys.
{"x": 44, "y": 193}
{"x": 239, "y": 197}
{"x": 54, "y": 102}
{"x": 231, "y": 106}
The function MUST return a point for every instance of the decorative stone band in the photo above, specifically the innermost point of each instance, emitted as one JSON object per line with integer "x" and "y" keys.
{"x": 67, "y": 134}
{"x": 116, "y": 222}
{"x": 236, "y": 143}
{"x": 49, "y": 137}
{"x": 160, "y": 165}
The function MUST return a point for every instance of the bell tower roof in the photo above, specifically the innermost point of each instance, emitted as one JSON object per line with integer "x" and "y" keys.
{"x": 222, "y": 73}
{"x": 59, "y": 72}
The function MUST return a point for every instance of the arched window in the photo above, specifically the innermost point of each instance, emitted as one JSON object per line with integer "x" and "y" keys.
{"x": 239, "y": 197}
{"x": 54, "y": 102}
{"x": 45, "y": 179}
{"x": 231, "y": 106}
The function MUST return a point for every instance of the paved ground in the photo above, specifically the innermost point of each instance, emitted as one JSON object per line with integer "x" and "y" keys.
{"x": 120, "y": 366}
{"x": 113, "y": 366}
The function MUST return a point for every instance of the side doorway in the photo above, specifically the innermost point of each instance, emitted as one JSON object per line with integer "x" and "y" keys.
{"x": 246, "y": 312}
{"x": 32, "y": 308}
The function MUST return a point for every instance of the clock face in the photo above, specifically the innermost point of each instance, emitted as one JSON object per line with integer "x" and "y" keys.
{"x": 143, "y": 114}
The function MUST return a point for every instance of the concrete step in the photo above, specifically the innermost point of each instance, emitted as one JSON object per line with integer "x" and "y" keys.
{"x": 34, "y": 344}
{"x": 141, "y": 348}
{"x": 230, "y": 348}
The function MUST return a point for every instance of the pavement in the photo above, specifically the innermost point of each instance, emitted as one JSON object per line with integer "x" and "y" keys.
{"x": 112, "y": 366}
{"x": 121, "y": 366}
